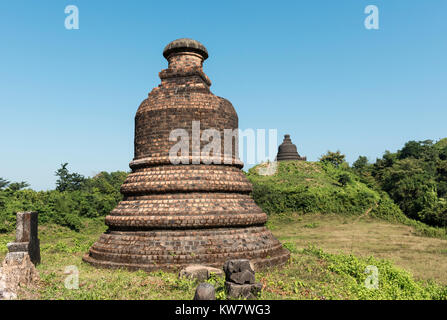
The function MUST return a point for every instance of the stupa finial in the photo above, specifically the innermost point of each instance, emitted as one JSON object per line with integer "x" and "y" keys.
{"x": 185, "y": 45}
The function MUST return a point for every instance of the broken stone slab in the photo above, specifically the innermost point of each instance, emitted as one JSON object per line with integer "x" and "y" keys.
{"x": 32, "y": 248}
{"x": 17, "y": 271}
{"x": 199, "y": 272}
{"x": 239, "y": 271}
{"x": 237, "y": 265}
{"x": 18, "y": 246}
{"x": 27, "y": 236}
{"x": 243, "y": 277}
{"x": 247, "y": 291}
{"x": 205, "y": 291}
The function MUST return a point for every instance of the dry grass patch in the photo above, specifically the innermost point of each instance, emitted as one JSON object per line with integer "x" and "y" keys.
{"x": 425, "y": 257}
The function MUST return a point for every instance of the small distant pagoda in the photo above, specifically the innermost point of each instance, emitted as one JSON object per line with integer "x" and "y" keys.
{"x": 287, "y": 150}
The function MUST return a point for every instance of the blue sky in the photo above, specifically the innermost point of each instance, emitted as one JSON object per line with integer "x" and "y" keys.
{"x": 309, "y": 68}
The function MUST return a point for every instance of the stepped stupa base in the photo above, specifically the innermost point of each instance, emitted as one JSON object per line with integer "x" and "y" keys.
{"x": 171, "y": 250}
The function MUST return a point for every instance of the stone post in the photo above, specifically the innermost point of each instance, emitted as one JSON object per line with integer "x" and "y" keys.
{"x": 26, "y": 236}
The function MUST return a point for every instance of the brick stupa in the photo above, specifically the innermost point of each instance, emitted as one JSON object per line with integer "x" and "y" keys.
{"x": 173, "y": 215}
{"x": 287, "y": 151}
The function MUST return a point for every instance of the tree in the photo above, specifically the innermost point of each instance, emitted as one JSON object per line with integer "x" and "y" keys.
{"x": 16, "y": 186}
{"x": 105, "y": 182}
{"x": 443, "y": 153}
{"x": 411, "y": 185}
{"x": 3, "y": 183}
{"x": 336, "y": 158}
{"x": 68, "y": 181}
{"x": 387, "y": 161}
{"x": 364, "y": 170}
{"x": 441, "y": 178}
{"x": 418, "y": 150}
{"x": 361, "y": 163}
{"x": 415, "y": 177}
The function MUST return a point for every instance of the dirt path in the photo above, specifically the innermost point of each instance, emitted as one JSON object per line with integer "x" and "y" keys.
{"x": 367, "y": 212}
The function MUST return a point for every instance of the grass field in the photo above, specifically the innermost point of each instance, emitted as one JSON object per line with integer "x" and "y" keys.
{"x": 328, "y": 261}
{"x": 425, "y": 257}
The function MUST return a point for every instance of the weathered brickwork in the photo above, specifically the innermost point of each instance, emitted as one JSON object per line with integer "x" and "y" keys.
{"x": 173, "y": 215}
{"x": 173, "y": 249}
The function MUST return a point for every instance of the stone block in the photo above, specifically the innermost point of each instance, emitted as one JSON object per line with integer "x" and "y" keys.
{"x": 205, "y": 291}
{"x": 247, "y": 291}
{"x": 199, "y": 272}
{"x": 243, "y": 277}
{"x": 194, "y": 272}
{"x": 237, "y": 265}
{"x": 18, "y": 246}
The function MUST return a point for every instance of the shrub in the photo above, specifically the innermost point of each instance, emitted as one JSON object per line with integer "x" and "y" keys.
{"x": 393, "y": 283}
{"x": 97, "y": 197}
{"x": 344, "y": 179}
{"x": 335, "y": 158}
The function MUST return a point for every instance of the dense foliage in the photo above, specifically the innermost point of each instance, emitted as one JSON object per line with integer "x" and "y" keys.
{"x": 299, "y": 186}
{"x": 75, "y": 198}
{"x": 415, "y": 177}
{"x": 335, "y": 158}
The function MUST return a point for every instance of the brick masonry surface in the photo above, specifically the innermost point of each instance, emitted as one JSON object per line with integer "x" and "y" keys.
{"x": 173, "y": 215}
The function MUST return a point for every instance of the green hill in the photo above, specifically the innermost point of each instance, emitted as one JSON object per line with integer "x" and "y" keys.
{"x": 299, "y": 186}
{"x": 316, "y": 187}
